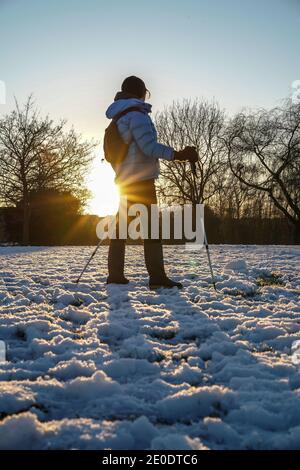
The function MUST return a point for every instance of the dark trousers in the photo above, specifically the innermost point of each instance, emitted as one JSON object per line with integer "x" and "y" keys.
{"x": 141, "y": 192}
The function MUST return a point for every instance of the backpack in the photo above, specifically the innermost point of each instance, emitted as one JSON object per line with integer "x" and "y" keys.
{"x": 115, "y": 149}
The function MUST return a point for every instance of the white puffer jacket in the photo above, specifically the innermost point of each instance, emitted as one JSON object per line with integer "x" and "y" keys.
{"x": 141, "y": 162}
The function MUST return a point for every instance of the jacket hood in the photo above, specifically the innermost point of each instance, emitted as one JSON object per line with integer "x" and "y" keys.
{"x": 120, "y": 105}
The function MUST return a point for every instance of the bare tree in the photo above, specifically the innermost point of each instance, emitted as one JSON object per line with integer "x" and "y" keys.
{"x": 199, "y": 124}
{"x": 264, "y": 154}
{"x": 231, "y": 195}
{"x": 37, "y": 154}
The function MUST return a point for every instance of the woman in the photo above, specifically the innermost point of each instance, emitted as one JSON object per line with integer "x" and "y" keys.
{"x": 137, "y": 173}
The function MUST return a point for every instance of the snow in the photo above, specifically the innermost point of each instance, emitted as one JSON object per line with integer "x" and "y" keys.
{"x": 95, "y": 366}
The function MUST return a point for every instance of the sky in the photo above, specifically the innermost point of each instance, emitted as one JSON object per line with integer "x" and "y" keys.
{"x": 73, "y": 56}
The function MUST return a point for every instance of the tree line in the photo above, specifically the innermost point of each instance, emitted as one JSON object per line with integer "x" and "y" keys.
{"x": 248, "y": 169}
{"x": 38, "y": 156}
{"x": 248, "y": 174}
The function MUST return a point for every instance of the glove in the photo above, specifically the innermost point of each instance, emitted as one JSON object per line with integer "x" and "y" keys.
{"x": 187, "y": 154}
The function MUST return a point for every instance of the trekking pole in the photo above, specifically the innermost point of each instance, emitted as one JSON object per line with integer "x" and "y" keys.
{"x": 88, "y": 261}
{"x": 194, "y": 172}
{"x": 93, "y": 254}
{"x": 209, "y": 260}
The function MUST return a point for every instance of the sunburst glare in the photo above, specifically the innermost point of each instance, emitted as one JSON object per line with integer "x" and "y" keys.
{"x": 105, "y": 195}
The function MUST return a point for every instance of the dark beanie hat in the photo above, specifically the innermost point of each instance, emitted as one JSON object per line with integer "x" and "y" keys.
{"x": 134, "y": 86}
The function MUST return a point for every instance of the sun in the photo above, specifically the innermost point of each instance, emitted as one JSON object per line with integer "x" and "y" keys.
{"x": 105, "y": 194}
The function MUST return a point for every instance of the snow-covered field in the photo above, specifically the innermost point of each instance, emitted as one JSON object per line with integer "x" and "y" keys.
{"x": 131, "y": 368}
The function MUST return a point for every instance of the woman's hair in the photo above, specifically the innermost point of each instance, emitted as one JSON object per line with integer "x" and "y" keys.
{"x": 135, "y": 86}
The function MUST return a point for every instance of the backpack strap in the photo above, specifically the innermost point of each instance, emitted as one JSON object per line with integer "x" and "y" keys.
{"x": 128, "y": 110}
{"x": 122, "y": 113}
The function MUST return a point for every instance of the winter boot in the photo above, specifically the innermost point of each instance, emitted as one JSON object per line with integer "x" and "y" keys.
{"x": 154, "y": 261}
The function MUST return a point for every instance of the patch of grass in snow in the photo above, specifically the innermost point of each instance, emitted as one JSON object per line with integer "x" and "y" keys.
{"x": 249, "y": 295}
{"x": 275, "y": 279}
{"x": 163, "y": 333}
{"x": 21, "y": 334}
{"x": 77, "y": 302}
